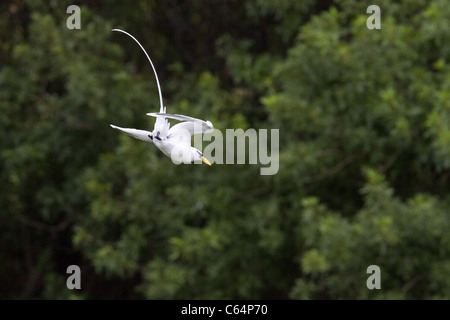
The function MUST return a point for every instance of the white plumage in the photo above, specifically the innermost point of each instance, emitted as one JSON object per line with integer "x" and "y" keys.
{"x": 174, "y": 142}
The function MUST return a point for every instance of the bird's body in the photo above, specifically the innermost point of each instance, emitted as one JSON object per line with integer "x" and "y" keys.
{"x": 174, "y": 142}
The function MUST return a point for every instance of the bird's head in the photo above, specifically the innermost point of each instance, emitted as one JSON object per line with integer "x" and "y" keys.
{"x": 198, "y": 155}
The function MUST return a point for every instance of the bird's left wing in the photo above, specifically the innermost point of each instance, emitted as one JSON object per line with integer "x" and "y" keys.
{"x": 135, "y": 133}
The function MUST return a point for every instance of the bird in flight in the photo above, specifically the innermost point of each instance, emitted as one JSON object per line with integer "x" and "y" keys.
{"x": 174, "y": 142}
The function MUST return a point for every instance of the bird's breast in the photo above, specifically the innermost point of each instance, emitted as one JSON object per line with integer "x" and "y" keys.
{"x": 179, "y": 153}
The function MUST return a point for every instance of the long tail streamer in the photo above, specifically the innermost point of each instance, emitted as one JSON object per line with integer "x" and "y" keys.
{"x": 153, "y": 67}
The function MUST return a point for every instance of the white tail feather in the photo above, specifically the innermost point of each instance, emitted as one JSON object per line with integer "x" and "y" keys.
{"x": 161, "y": 108}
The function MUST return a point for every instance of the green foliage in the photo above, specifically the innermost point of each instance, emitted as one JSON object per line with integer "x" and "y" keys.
{"x": 407, "y": 239}
{"x": 364, "y": 151}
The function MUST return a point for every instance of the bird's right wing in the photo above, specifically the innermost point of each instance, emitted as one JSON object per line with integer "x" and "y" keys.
{"x": 191, "y": 125}
{"x": 135, "y": 133}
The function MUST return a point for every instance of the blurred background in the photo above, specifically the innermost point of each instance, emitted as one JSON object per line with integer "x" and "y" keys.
{"x": 364, "y": 120}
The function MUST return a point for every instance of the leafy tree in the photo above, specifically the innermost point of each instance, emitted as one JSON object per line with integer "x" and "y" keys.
{"x": 364, "y": 159}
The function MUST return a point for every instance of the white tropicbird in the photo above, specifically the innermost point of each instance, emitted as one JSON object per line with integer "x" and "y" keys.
{"x": 174, "y": 142}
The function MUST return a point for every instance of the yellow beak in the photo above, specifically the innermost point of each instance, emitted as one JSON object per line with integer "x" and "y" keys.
{"x": 206, "y": 161}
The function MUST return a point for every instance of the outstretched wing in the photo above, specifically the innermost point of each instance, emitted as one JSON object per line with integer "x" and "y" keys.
{"x": 191, "y": 125}
{"x": 179, "y": 117}
{"x": 135, "y": 133}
